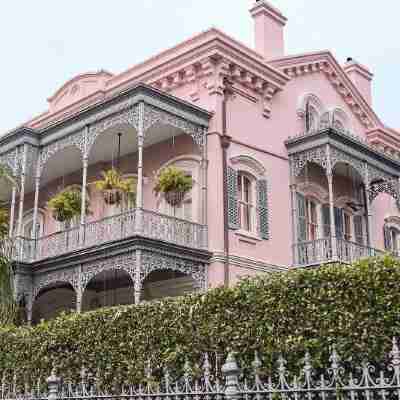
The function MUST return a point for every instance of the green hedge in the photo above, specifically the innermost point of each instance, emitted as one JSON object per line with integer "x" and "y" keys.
{"x": 357, "y": 307}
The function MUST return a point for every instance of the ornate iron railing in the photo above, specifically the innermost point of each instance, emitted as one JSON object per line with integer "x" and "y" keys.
{"x": 313, "y": 251}
{"x": 133, "y": 222}
{"x": 351, "y": 251}
{"x": 318, "y": 251}
{"x": 333, "y": 381}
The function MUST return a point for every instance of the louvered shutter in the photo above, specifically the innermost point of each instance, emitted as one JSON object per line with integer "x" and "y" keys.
{"x": 326, "y": 220}
{"x": 358, "y": 229}
{"x": 262, "y": 208}
{"x": 339, "y": 222}
{"x": 387, "y": 238}
{"x": 301, "y": 218}
{"x": 232, "y": 189}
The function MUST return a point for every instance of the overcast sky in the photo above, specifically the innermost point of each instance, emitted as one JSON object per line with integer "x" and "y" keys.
{"x": 43, "y": 43}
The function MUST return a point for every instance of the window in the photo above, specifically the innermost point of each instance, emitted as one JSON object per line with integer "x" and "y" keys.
{"x": 308, "y": 217}
{"x": 246, "y": 195}
{"x": 347, "y": 227}
{"x": 392, "y": 238}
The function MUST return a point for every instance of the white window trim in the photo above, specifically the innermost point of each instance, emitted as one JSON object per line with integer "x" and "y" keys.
{"x": 244, "y": 163}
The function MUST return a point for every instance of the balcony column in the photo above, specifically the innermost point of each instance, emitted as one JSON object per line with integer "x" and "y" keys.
{"x": 368, "y": 207}
{"x": 332, "y": 216}
{"x": 22, "y": 191}
{"x": 139, "y": 189}
{"x": 293, "y": 202}
{"x": 79, "y": 292}
{"x": 12, "y": 211}
{"x": 83, "y": 200}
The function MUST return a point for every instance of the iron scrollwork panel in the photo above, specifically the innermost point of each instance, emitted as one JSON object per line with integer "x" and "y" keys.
{"x": 316, "y": 155}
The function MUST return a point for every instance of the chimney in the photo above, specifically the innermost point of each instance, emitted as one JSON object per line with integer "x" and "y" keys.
{"x": 361, "y": 77}
{"x": 268, "y": 27}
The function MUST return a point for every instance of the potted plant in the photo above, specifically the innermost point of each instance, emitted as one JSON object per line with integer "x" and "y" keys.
{"x": 173, "y": 183}
{"x": 66, "y": 204}
{"x": 114, "y": 186}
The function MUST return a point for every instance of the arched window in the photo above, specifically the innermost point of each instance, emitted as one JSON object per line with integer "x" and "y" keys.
{"x": 310, "y": 109}
{"x": 248, "y": 209}
{"x": 189, "y": 208}
{"x": 391, "y": 233}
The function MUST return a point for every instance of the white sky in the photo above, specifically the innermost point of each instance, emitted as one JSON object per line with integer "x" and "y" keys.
{"x": 43, "y": 43}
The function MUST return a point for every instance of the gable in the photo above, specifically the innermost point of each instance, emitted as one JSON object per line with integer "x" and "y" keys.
{"x": 323, "y": 63}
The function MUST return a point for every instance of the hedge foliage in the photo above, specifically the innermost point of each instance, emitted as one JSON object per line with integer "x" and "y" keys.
{"x": 357, "y": 307}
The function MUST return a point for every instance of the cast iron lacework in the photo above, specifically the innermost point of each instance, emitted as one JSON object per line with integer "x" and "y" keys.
{"x": 338, "y": 156}
{"x": 11, "y": 160}
{"x": 23, "y": 286}
{"x": 390, "y": 187}
{"x": 130, "y": 116}
{"x": 153, "y": 115}
{"x": 316, "y": 155}
{"x": 77, "y": 139}
{"x": 70, "y": 276}
{"x": 125, "y": 262}
{"x": 154, "y": 261}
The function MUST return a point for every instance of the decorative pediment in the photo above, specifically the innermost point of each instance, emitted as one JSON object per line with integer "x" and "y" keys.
{"x": 78, "y": 88}
{"x": 325, "y": 63}
{"x": 250, "y": 162}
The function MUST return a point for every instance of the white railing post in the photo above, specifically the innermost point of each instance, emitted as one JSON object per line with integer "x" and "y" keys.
{"x": 22, "y": 190}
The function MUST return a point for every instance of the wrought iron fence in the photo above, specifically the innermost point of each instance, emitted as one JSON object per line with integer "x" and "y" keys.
{"x": 360, "y": 382}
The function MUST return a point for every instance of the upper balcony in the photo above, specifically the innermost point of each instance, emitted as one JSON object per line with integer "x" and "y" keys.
{"x": 137, "y": 133}
{"x": 337, "y": 182}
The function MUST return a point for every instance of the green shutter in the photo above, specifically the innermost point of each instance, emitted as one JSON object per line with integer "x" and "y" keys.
{"x": 339, "y": 222}
{"x": 387, "y": 238}
{"x": 301, "y": 218}
{"x": 326, "y": 220}
{"x": 358, "y": 229}
{"x": 232, "y": 189}
{"x": 262, "y": 208}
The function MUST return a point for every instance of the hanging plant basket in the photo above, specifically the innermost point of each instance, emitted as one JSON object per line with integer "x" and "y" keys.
{"x": 66, "y": 204}
{"x": 112, "y": 196}
{"x": 173, "y": 184}
{"x": 174, "y": 198}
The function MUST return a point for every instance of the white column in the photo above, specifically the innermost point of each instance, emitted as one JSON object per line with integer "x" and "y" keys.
{"x": 83, "y": 200}
{"x": 332, "y": 216}
{"x": 368, "y": 207}
{"x": 293, "y": 201}
{"x": 22, "y": 191}
{"x": 79, "y": 292}
{"x": 12, "y": 211}
{"x": 139, "y": 191}
{"x": 36, "y": 206}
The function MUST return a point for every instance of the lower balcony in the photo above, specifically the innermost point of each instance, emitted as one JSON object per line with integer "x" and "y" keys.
{"x": 316, "y": 252}
{"x": 136, "y": 222}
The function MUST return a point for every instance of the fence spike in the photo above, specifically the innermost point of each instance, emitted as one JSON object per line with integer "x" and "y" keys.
{"x": 395, "y": 352}
{"x": 335, "y": 360}
{"x": 282, "y": 365}
{"x": 231, "y": 371}
{"x": 206, "y": 367}
{"x": 307, "y": 369}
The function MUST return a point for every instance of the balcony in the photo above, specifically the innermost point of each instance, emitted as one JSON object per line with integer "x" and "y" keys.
{"x": 316, "y": 252}
{"x": 134, "y": 223}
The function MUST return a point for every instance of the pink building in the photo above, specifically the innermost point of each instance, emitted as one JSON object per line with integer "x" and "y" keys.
{"x": 291, "y": 168}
